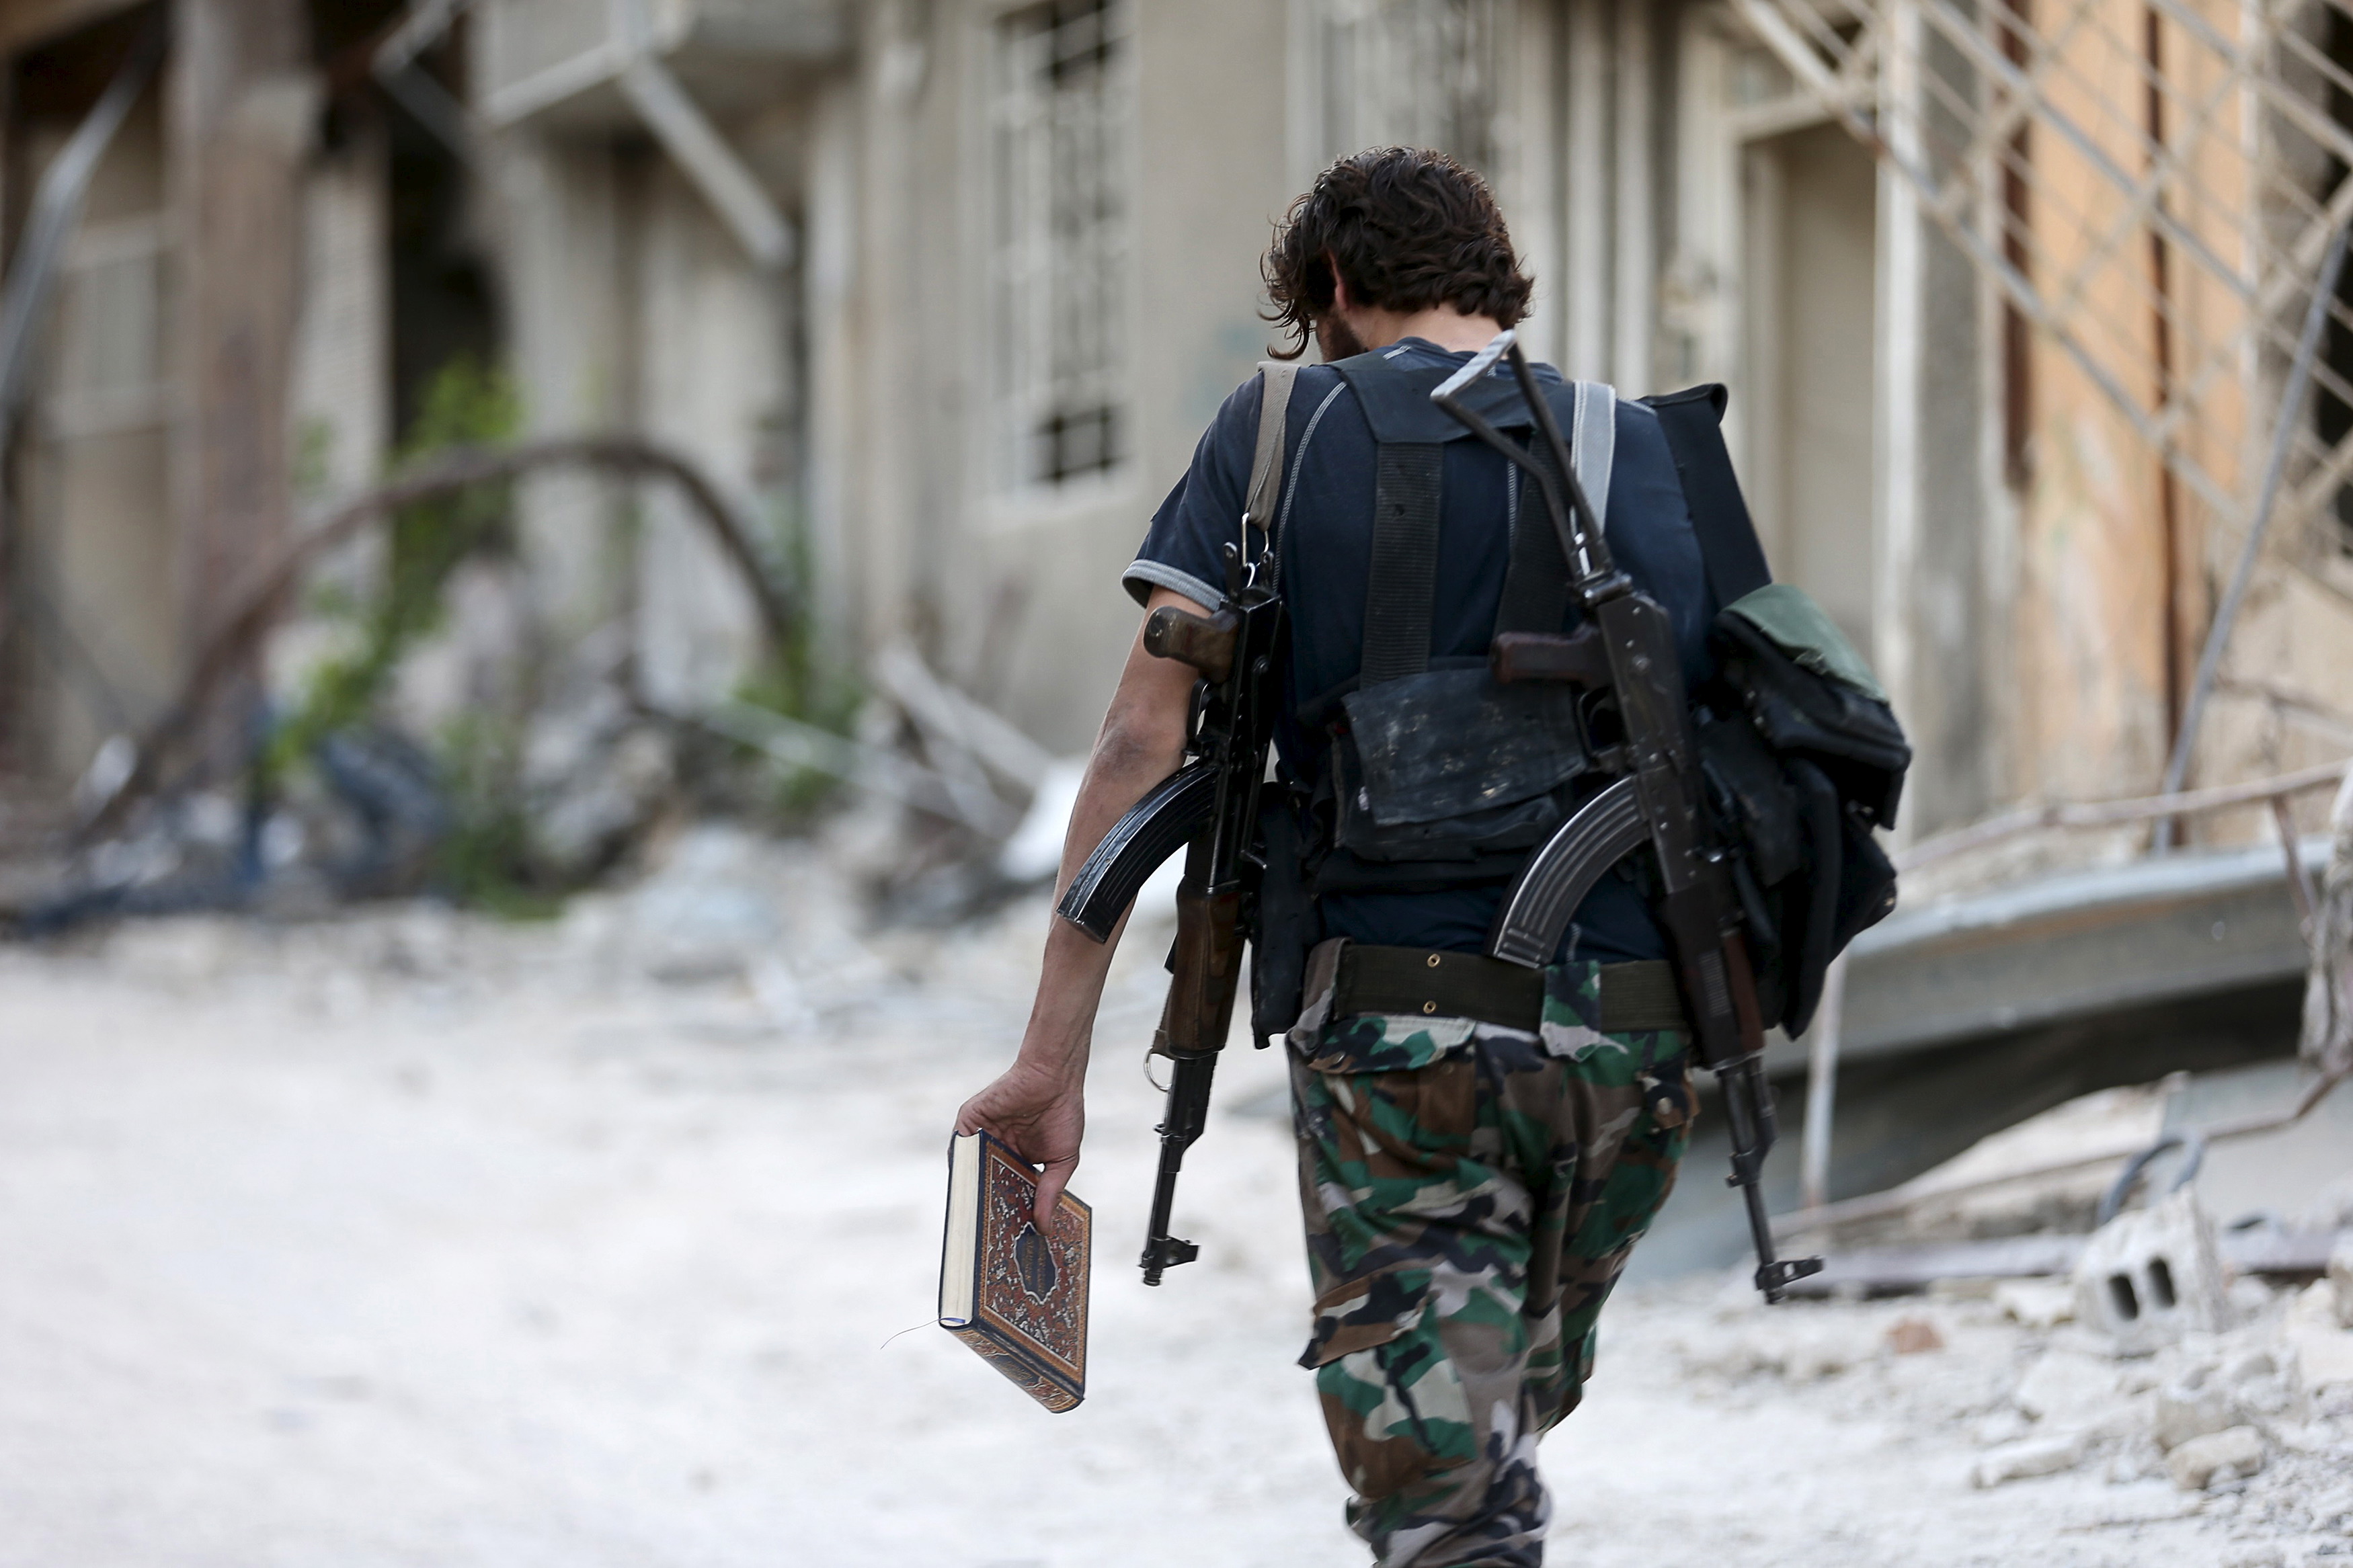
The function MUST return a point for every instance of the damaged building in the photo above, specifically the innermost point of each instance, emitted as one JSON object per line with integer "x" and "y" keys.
{"x": 941, "y": 293}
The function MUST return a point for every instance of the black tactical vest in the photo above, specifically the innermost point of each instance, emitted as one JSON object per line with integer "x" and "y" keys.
{"x": 1436, "y": 774}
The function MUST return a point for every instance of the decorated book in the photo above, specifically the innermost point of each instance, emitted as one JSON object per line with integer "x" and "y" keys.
{"x": 1018, "y": 1297}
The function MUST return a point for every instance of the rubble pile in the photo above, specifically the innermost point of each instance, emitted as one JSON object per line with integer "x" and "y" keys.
{"x": 2252, "y": 1421}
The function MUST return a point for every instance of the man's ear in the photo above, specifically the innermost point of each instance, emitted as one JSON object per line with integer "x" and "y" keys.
{"x": 1340, "y": 300}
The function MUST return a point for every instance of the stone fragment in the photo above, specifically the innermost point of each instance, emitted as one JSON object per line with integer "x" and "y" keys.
{"x": 2067, "y": 1386}
{"x": 2036, "y": 1303}
{"x": 2324, "y": 1351}
{"x": 2218, "y": 1456}
{"x": 2034, "y": 1456}
{"x": 1911, "y": 1336}
{"x": 2183, "y": 1414}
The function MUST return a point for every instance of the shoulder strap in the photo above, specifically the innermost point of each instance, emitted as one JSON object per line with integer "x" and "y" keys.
{"x": 1402, "y": 588}
{"x": 1276, "y": 378}
{"x": 1535, "y": 584}
{"x": 1693, "y": 421}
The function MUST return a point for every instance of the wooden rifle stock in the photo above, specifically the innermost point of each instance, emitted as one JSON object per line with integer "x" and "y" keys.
{"x": 1205, "y": 642}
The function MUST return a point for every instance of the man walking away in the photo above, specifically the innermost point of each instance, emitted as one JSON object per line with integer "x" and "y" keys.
{"x": 1473, "y": 1176}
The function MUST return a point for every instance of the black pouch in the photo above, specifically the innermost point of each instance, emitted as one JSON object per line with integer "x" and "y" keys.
{"x": 1803, "y": 759}
{"x": 1288, "y": 923}
{"x": 1450, "y": 764}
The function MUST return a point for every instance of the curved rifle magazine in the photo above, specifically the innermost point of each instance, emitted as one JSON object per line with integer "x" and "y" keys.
{"x": 1537, "y": 910}
{"x": 1154, "y": 828}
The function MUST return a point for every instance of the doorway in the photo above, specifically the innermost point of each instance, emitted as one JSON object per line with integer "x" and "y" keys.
{"x": 1809, "y": 209}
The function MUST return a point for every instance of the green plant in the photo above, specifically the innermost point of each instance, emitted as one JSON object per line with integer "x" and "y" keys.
{"x": 485, "y": 859}
{"x": 466, "y": 403}
{"x": 805, "y": 679}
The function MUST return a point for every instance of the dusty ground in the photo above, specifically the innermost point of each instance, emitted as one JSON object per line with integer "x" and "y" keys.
{"x": 411, "y": 1240}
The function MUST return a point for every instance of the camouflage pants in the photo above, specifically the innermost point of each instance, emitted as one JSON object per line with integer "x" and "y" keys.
{"x": 1471, "y": 1195}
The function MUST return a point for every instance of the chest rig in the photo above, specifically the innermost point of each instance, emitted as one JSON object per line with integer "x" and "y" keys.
{"x": 1437, "y": 775}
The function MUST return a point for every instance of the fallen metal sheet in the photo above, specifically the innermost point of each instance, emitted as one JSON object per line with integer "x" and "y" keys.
{"x": 1883, "y": 1270}
{"x": 2069, "y": 947}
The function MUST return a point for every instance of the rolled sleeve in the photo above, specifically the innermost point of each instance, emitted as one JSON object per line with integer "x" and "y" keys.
{"x": 1182, "y": 549}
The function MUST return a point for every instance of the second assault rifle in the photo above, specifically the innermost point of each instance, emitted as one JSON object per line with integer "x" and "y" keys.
{"x": 1624, "y": 655}
{"x": 1210, "y": 805}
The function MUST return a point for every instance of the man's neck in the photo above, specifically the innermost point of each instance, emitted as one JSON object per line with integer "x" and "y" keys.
{"x": 1442, "y": 325}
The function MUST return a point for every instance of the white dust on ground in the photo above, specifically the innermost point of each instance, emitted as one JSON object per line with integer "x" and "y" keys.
{"x": 414, "y": 1239}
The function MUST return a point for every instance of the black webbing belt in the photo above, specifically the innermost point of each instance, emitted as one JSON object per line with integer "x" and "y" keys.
{"x": 1728, "y": 546}
{"x": 1412, "y": 981}
{"x": 1403, "y": 584}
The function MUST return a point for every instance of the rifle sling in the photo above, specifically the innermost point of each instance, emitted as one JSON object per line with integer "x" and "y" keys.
{"x": 1536, "y": 582}
{"x": 1415, "y": 982}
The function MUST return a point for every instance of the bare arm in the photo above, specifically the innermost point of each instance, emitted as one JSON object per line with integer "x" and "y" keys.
{"x": 1038, "y": 1105}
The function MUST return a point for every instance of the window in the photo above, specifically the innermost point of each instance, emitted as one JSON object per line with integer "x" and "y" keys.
{"x": 1061, "y": 240}
{"x": 1410, "y": 73}
{"x": 107, "y": 373}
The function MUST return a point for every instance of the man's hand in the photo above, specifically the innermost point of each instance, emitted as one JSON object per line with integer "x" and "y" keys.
{"x": 1038, "y": 1108}
{"x": 1039, "y": 1115}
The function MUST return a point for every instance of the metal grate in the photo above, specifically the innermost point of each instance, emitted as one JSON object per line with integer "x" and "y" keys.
{"x": 2151, "y": 183}
{"x": 1060, "y": 137}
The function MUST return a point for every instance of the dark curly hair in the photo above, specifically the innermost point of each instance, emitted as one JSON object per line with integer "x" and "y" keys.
{"x": 1408, "y": 228}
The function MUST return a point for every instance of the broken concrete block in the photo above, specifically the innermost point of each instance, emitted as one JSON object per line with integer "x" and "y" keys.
{"x": 2036, "y": 1303}
{"x": 1911, "y": 1336}
{"x": 2067, "y": 1386}
{"x": 2217, "y": 1456}
{"x": 2183, "y": 1414}
{"x": 2034, "y": 1457}
{"x": 2149, "y": 1276}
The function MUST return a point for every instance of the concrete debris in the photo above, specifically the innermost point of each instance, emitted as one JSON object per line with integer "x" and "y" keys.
{"x": 2224, "y": 1455}
{"x": 2005, "y": 1184}
{"x": 2034, "y": 1456}
{"x": 2324, "y": 1350}
{"x": 2068, "y": 1384}
{"x": 2148, "y": 1276}
{"x": 2184, "y": 1413}
{"x": 2036, "y": 1303}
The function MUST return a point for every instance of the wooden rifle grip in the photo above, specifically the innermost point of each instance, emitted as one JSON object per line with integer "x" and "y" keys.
{"x": 1741, "y": 975}
{"x": 1205, "y": 642}
{"x": 1206, "y": 972}
{"x": 1578, "y": 658}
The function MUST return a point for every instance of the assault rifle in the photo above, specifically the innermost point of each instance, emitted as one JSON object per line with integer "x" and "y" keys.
{"x": 1641, "y": 730}
{"x": 1210, "y": 805}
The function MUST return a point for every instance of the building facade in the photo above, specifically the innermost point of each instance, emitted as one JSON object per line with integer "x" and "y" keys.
{"x": 946, "y": 289}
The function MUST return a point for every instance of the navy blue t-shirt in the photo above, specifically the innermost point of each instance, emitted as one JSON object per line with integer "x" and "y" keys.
{"x": 1324, "y": 529}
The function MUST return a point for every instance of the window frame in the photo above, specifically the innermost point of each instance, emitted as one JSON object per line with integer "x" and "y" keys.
{"x": 1012, "y": 491}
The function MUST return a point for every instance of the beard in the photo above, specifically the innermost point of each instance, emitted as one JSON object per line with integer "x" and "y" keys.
{"x": 1335, "y": 342}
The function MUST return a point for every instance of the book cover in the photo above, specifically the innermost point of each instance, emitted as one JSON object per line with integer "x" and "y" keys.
{"x": 1018, "y": 1297}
